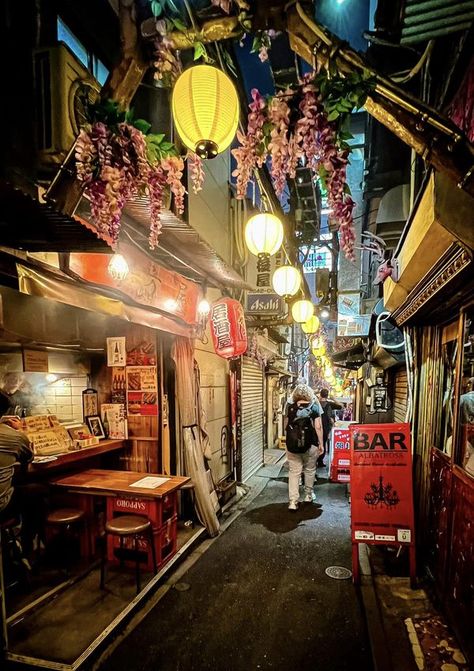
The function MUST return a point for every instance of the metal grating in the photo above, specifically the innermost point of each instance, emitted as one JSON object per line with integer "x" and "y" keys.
{"x": 426, "y": 19}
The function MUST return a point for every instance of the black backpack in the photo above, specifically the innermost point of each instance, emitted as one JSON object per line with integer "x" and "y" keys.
{"x": 300, "y": 432}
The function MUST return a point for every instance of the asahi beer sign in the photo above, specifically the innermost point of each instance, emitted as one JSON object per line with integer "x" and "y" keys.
{"x": 264, "y": 304}
{"x": 381, "y": 484}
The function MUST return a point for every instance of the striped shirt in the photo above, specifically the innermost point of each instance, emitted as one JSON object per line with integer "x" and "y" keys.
{"x": 14, "y": 449}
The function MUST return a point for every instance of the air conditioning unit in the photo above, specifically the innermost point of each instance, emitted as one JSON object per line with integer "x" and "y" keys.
{"x": 64, "y": 88}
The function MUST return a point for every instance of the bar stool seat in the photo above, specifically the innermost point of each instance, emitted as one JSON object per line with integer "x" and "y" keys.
{"x": 66, "y": 521}
{"x": 65, "y": 516}
{"x": 125, "y": 526}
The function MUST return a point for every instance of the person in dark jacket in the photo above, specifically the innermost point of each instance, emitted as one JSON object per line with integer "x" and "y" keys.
{"x": 26, "y": 501}
{"x": 328, "y": 406}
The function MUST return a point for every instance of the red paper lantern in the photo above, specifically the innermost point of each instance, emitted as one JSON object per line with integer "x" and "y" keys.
{"x": 227, "y": 323}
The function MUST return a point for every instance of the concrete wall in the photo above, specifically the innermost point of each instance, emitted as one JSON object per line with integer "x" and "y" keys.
{"x": 215, "y": 399}
{"x": 209, "y": 209}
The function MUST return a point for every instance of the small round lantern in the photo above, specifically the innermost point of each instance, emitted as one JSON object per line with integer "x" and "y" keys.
{"x": 264, "y": 234}
{"x": 302, "y": 311}
{"x": 286, "y": 281}
{"x": 311, "y": 325}
{"x": 205, "y": 110}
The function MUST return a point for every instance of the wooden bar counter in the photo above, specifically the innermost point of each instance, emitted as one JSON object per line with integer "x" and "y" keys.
{"x": 74, "y": 458}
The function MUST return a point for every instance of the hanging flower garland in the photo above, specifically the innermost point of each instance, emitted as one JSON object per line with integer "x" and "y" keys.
{"x": 306, "y": 126}
{"x": 117, "y": 159}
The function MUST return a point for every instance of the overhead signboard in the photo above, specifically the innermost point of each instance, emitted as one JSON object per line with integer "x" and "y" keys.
{"x": 264, "y": 304}
{"x": 348, "y": 303}
{"x": 356, "y": 326}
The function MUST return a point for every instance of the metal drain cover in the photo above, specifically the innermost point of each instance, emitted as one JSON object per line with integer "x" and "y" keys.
{"x": 338, "y": 572}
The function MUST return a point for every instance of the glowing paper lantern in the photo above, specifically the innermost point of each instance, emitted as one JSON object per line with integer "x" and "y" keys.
{"x": 227, "y": 325}
{"x": 205, "y": 110}
{"x": 302, "y": 311}
{"x": 264, "y": 234}
{"x": 311, "y": 326}
{"x": 286, "y": 281}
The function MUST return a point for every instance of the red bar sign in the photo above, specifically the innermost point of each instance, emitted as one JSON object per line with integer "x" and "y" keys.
{"x": 381, "y": 484}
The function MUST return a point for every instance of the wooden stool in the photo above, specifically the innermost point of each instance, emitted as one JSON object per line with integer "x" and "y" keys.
{"x": 65, "y": 518}
{"x": 125, "y": 526}
{"x": 189, "y": 488}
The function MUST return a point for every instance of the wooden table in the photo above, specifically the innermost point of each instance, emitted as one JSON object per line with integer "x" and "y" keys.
{"x": 160, "y": 505}
{"x": 116, "y": 483}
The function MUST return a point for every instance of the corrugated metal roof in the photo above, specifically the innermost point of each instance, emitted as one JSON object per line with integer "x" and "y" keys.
{"x": 426, "y": 19}
{"x": 29, "y": 225}
{"x": 183, "y": 248}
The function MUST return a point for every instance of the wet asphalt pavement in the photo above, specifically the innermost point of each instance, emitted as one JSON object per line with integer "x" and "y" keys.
{"x": 259, "y": 597}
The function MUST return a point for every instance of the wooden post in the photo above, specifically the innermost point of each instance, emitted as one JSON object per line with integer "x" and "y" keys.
{"x": 65, "y": 191}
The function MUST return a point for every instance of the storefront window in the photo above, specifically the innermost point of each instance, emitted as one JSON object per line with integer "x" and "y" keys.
{"x": 466, "y": 399}
{"x": 444, "y": 436}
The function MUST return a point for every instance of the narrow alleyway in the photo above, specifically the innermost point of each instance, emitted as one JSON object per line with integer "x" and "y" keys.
{"x": 259, "y": 598}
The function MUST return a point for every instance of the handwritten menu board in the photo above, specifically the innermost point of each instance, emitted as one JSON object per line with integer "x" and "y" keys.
{"x": 35, "y": 361}
{"x": 142, "y": 390}
{"x": 46, "y": 435}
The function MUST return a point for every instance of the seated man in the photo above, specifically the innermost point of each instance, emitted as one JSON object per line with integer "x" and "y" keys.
{"x": 26, "y": 501}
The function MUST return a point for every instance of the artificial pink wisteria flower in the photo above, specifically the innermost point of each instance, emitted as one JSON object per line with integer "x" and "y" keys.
{"x": 173, "y": 167}
{"x": 252, "y": 152}
{"x": 114, "y": 167}
{"x": 311, "y": 139}
{"x": 196, "y": 170}
{"x": 278, "y": 147}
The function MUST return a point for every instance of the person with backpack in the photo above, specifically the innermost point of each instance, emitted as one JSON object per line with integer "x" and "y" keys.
{"x": 304, "y": 440}
{"x": 328, "y": 406}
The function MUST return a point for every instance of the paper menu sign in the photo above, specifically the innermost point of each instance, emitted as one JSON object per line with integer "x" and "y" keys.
{"x": 149, "y": 482}
{"x": 116, "y": 420}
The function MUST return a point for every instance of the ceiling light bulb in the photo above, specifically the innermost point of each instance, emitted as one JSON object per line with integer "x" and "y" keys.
{"x": 118, "y": 267}
{"x": 324, "y": 313}
{"x": 171, "y": 304}
{"x": 204, "y": 307}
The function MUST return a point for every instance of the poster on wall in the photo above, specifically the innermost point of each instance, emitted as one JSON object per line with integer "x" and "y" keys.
{"x": 142, "y": 390}
{"x": 113, "y": 415}
{"x": 116, "y": 352}
{"x": 141, "y": 353}
{"x": 381, "y": 484}
{"x": 119, "y": 384}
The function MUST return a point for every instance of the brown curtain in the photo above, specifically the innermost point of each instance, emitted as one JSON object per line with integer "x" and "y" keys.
{"x": 192, "y": 434}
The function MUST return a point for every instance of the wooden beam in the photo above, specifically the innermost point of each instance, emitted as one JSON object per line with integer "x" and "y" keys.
{"x": 65, "y": 191}
{"x": 437, "y": 140}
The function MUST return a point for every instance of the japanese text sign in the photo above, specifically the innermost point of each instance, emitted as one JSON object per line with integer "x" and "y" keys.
{"x": 381, "y": 484}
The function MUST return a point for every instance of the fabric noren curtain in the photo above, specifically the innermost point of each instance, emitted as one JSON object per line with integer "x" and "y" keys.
{"x": 187, "y": 392}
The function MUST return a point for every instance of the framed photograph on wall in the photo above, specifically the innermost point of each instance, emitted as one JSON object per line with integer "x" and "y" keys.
{"x": 90, "y": 404}
{"x": 96, "y": 427}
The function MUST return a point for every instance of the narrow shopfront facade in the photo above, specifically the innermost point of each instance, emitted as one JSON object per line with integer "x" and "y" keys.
{"x": 68, "y": 342}
{"x": 434, "y": 303}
